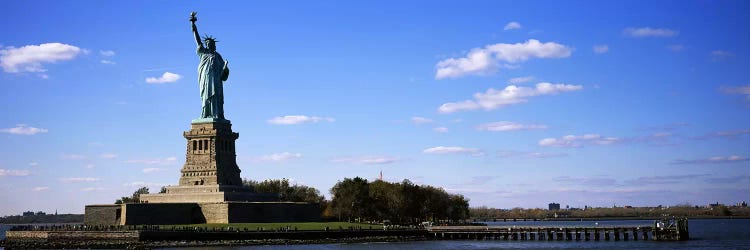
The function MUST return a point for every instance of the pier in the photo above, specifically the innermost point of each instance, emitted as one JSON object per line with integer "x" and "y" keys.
{"x": 543, "y": 233}
{"x": 670, "y": 229}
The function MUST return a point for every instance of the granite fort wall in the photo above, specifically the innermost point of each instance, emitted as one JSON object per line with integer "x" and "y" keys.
{"x": 215, "y": 212}
{"x": 273, "y": 212}
{"x": 161, "y": 213}
{"x": 102, "y": 215}
{"x": 197, "y": 213}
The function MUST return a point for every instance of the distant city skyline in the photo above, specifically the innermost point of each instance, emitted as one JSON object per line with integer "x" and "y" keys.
{"x": 512, "y": 104}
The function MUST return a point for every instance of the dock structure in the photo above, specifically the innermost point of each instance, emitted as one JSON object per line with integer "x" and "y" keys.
{"x": 673, "y": 229}
{"x": 541, "y": 233}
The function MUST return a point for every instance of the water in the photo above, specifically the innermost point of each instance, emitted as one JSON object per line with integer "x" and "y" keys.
{"x": 704, "y": 234}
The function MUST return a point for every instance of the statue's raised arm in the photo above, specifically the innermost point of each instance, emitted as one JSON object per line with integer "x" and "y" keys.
{"x": 195, "y": 29}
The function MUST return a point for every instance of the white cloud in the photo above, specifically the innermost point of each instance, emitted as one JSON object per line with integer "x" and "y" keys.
{"x": 509, "y": 126}
{"x": 89, "y": 189}
{"x": 664, "y": 179}
{"x": 157, "y": 161}
{"x": 734, "y": 133}
{"x": 486, "y": 60}
{"x": 440, "y": 129}
{"x": 601, "y": 49}
{"x": 278, "y": 157}
{"x": 143, "y": 184}
{"x": 577, "y": 140}
{"x": 512, "y": 94}
{"x": 511, "y": 153}
{"x": 80, "y": 179}
{"x": 715, "y": 159}
{"x": 453, "y": 150}
{"x": 33, "y": 164}
{"x": 30, "y": 58}
{"x": 89, "y": 166}
{"x": 108, "y": 155}
{"x": 741, "y": 90}
{"x": 366, "y": 159}
{"x": 512, "y": 26}
{"x": 14, "y": 172}
{"x": 109, "y": 62}
{"x": 587, "y": 181}
{"x": 649, "y": 32}
{"x": 22, "y": 129}
{"x": 107, "y": 53}
{"x": 151, "y": 170}
{"x": 298, "y": 119}
{"x": 519, "y": 80}
{"x": 38, "y": 189}
{"x": 717, "y": 55}
{"x": 479, "y": 180}
{"x": 420, "y": 120}
{"x": 165, "y": 78}
{"x": 676, "y": 47}
{"x": 73, "y": 157}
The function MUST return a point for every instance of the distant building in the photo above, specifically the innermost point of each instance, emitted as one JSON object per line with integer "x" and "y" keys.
{"x": 742, "y": 204}
{"x": 28, "y": 213}
{"x": 554, "y": 206}
{"x": 713, "y": 205}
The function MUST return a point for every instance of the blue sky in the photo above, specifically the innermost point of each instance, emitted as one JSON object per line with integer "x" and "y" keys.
{"x": 513, "y": 104}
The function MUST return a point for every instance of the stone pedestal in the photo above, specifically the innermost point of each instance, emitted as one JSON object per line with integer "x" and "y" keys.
{"x": 210, "y": 190}
{"x": 210, "y": 173}
{"x": 210, "y": 157}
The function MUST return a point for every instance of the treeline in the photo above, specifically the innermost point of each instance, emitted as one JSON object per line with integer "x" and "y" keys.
{"x": 281, "y": 188}
{"x": 603, "y": 212}
{"x": 136, "y": 197}
{"x": 357, "y": 199}
{"x": 401, "y": 203}
{"x": 44, "y": 218}
{"x": 285, "y": 192}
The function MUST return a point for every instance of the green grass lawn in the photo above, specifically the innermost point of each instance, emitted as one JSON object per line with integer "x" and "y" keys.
{"x": 291, "y": 225}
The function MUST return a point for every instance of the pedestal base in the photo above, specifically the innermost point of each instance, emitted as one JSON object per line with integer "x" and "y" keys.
{"x": 206, "y": 193}
{"x": 198, "y": 213}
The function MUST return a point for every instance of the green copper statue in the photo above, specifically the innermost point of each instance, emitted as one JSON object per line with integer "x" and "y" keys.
{"x": 212, "y": 71}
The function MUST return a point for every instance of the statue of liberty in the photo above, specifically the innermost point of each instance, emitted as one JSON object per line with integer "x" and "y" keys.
{"x": 212, "y": 71}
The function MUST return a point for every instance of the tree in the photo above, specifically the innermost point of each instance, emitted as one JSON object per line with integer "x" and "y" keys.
{"x": 413, "y": 201}
{"x": 351, "y": 198}
{"x": 135, "y": 198}
{"x": 285, "y": 192}
{"x": 436, "y": 203}
{"x": 386, "y": 200}
{"x": 458, "y": 208}
{"x": 402, "y": 202}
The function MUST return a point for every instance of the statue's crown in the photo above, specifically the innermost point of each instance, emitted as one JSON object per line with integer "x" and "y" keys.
{"x": 207, "y": 38}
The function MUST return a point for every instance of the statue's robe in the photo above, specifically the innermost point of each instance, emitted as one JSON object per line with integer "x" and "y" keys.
{"x": 211, "y": 73}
